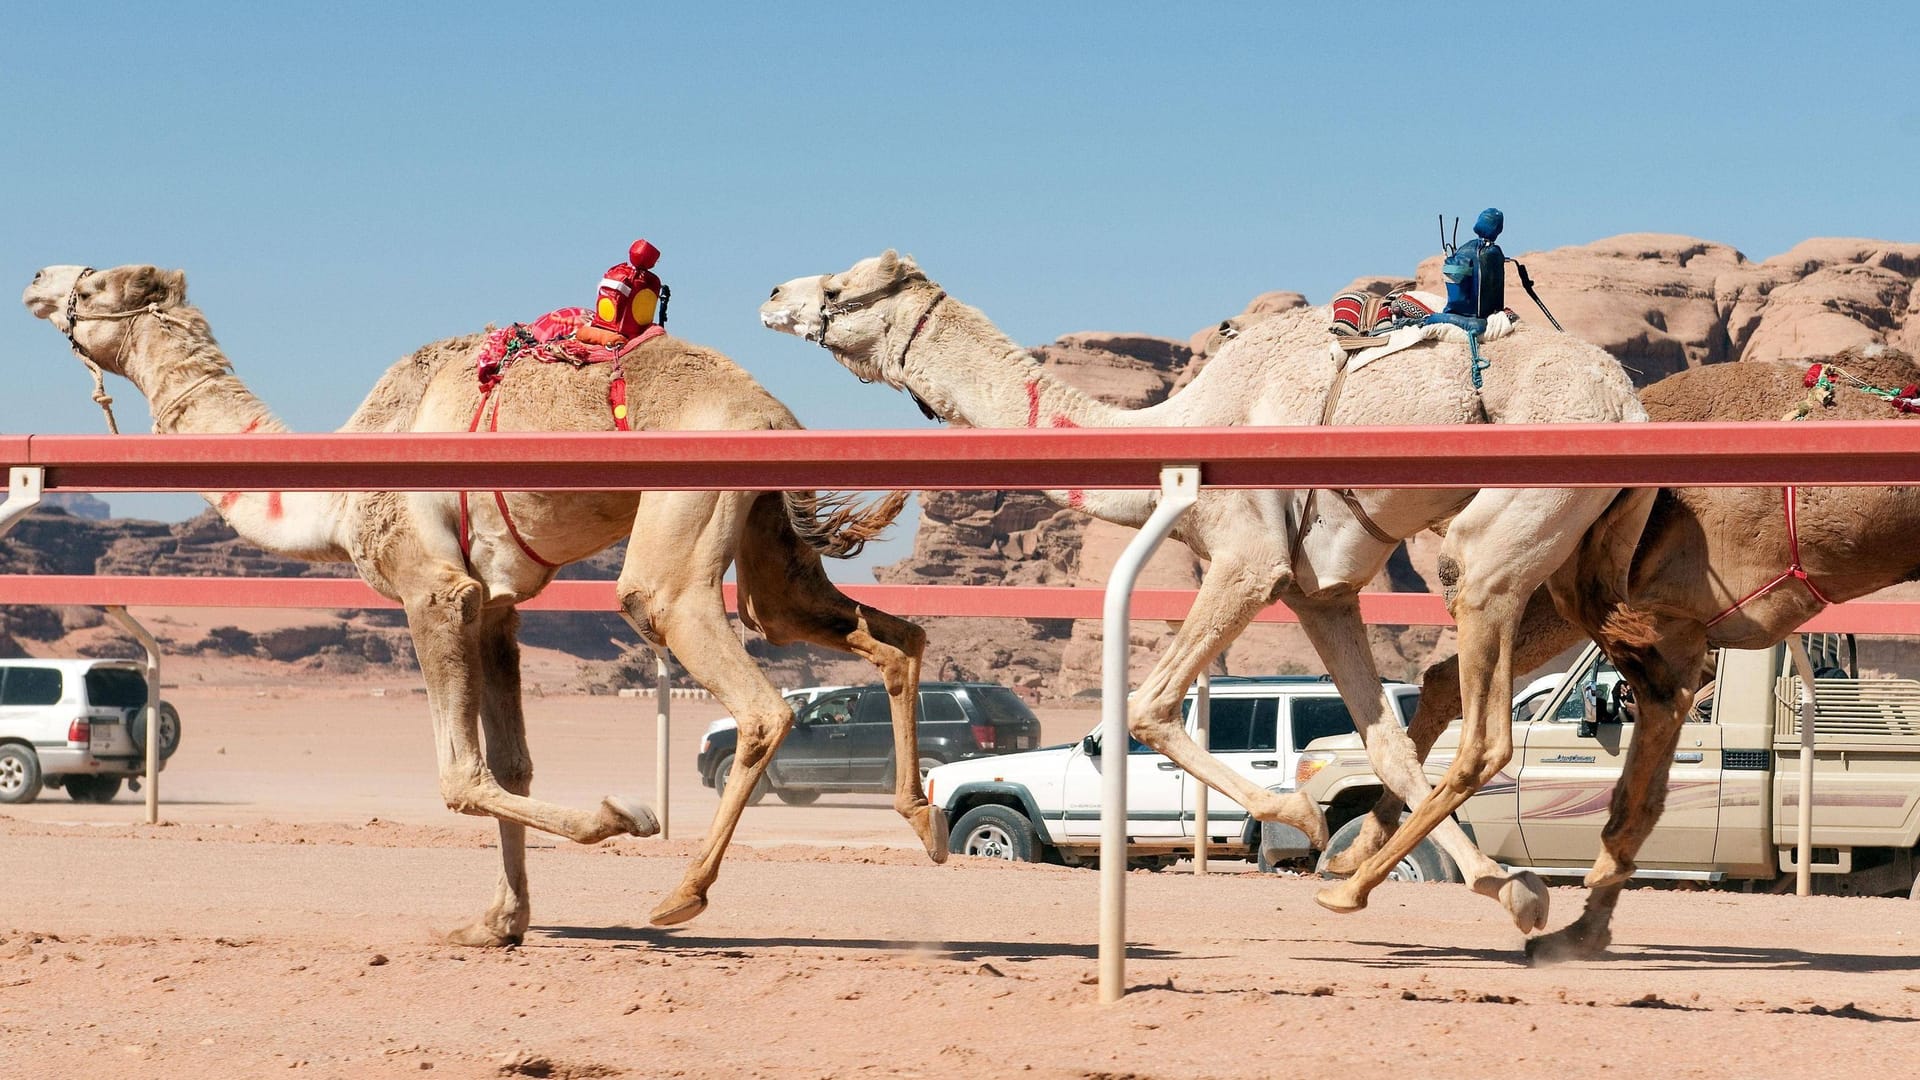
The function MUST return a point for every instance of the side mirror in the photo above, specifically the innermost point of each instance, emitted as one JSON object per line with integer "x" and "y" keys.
{"x": 1091, "y": 744}
{"x": 1590, "y": 709}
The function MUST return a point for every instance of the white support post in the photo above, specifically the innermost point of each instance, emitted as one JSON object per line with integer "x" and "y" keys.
{"x": 152, "y": 647}
{"x": 1202, "y": 734}
{"x": 663, "y": 709}
{"x": 24, "y": 484}
{"x": 1179, "y": 487}
{"x": 1803, "y": 834}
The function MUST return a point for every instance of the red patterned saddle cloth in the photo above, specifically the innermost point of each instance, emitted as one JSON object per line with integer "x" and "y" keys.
{"x": 551, "y": 339}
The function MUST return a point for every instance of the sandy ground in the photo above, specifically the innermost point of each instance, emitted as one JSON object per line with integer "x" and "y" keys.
{"x": 286, "y": 918}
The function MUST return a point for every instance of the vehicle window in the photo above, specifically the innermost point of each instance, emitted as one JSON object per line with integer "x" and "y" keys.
{"x": 833, "y": 709}
{"x": 34, "y": 686}
{"x": 873, "y": 708}
{"x": 1239, "y": 723}
{"x": 116, "y": 688}
{"x": 1317, "y": 718}
{"x": 1596, "y": 682}
{"x": 1000, "y": 705}
{"x": 941, "y": 708}
{"x": 796, "y": 702}
{"x": 1408, "y": 704}
{"x": 1530, "y": 706}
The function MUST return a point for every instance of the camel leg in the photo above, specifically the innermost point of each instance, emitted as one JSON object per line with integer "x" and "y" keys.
{"x": 1661, "y": 677}
{"x": 791, "y": 599}
{"x": 443, "y": 607}
{"x": 1340, "y": 637}
{"x": 1498, "y": 551}
{"x": 504, "y": 729}
{"x": 1543, "y": 634}
{"x": 1231, "y": 594}
{"x": 674, "y": 597}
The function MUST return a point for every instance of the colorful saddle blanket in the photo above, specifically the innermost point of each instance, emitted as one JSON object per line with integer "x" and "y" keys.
{"x": 549, "y": 339}
{"x": 1367, "y": 327}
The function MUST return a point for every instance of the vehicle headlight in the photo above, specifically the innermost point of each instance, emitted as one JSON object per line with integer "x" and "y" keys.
{"x": 1310, "y": 765}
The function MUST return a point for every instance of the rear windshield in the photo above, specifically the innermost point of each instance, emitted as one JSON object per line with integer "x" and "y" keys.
{"x": 1317, "y": 718}
{"x": 116, "y": 688}
{"x": 1408, "y": 705}
{"x": 1000, "y": 705}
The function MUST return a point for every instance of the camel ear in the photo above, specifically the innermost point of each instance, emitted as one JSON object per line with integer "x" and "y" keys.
{"x": 173, "y": 283}
{"x": 889, "y": 264}
{"x": 908, "y": 267}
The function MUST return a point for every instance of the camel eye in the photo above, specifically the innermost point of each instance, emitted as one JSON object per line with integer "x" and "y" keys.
{"x": 833, "y": 292}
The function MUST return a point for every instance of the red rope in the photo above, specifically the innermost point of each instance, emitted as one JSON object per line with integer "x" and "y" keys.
{"x": 1793, "y": 571}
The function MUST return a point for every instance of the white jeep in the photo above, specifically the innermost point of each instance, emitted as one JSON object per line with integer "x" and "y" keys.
{"x": 77, "y": 724}
{"x": 1045, "y": 804}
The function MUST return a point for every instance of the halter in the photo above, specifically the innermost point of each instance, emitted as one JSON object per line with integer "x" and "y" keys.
{"x": 100, "y": 396}
{"x": 856, "y": 303}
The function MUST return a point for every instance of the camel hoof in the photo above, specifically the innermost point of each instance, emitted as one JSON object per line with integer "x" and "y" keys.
{"x": 1300, "y": 812}
{"x": 1343, "y": 899}
{"x": 1607, "y": 872}
{"x": 933, "y": 832}
{"x": 1342, "y": 863}
{"x": 634, "y": 818}
{"x": 1565, "y": 945}
{"x": 1526, "y": 898}
{"x": 482, "y": 936}
{"x": 677, "y": 909}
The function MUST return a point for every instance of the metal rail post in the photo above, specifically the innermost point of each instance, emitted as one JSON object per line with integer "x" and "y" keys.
{"x": 663, "y": 724}
{"x": 23, "y": 494}
{"x": 1803, "y": 829}
{"x": 148, "y": 643}
{"x": 1202, "y": 734}
{"x": 1179, "y": 487}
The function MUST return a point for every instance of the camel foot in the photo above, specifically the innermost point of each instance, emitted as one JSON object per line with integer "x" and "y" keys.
{"x": 683, "y": 905}
{"x": 1609, "y": 871}
{"x": 1297, "y": 810}
{"x": 1344, "y": 898}
{"x": 1576, "y": 942}
{"x": 618, "y": 815}
{"x": 1526, "y": 899}
{"x": 480, "y": 935}
{"x": 931, "y": 823}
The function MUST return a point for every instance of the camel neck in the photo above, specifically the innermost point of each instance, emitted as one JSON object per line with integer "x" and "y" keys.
{"x": 192, "y": 390}
{"x": 973, "y": 373}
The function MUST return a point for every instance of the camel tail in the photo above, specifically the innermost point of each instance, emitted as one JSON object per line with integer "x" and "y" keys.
{"x": 835, "y": 524}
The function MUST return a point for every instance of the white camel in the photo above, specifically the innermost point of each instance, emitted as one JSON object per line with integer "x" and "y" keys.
{"x": 887, "y": 322}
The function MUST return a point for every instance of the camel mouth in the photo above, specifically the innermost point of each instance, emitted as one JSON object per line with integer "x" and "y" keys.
{"x": 40, "y": 306}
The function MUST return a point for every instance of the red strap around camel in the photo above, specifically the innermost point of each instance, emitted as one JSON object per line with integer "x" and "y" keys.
{"x": 548, "y": 339}
{"x": 1793, "y": 570}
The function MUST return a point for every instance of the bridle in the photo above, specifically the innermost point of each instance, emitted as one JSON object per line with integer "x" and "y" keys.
{"x": 100, "y": 395}
{"x": 862, "y": 300}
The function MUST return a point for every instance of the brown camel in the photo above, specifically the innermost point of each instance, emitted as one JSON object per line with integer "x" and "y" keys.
{"x": 885, "y": 321}
{"x": 1703, "y": 551}
{"x": 134, "y": 321}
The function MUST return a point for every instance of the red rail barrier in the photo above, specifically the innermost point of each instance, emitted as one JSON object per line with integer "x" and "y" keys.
{"x": 1561, "y": 455}
{"x": 980, "y": 601}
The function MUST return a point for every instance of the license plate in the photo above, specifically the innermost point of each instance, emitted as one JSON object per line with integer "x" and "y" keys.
{"x": 101, "y": 736}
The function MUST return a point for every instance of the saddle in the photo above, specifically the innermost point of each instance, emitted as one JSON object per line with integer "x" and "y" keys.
{"x": 1367, "y": 326}
{"x": 553, "y": 338}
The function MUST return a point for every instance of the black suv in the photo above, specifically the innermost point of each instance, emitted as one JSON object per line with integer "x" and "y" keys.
{"x": 843, "y": 741}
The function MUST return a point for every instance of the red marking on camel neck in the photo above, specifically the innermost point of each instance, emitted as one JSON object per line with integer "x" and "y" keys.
{"x": 227, "y": 501}
{"x": 1033, "y": 403}
{"x": 252, "y": 425}
{"x": 274, "y": 509}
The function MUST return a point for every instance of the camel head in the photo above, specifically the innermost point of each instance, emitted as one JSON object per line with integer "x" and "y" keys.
{"x": 95, "y": 307}
{"x": 862, "y": 315}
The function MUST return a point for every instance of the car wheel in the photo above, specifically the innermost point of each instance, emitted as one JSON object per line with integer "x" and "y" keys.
{"x": 724, "y": 770}
{"x": 797, "y": 796}
{"x": 169, "y": 730}
{"x": 92, "y": 789}
{"x": 995, "y": 832}
{"x": 1426, "y": 862}
{"x": 19, "y": 774}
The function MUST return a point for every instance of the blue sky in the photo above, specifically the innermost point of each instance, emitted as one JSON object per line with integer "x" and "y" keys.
{"x": 344, "y": 182}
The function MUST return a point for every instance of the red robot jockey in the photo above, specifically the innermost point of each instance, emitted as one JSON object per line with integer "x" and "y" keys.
{"x": 631, "y": 294}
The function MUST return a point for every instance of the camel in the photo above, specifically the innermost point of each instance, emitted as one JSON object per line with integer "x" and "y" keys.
{"x": 886, "y": 321}
{"x": 1702, "y": 553}
{"x": 135, "y": 321}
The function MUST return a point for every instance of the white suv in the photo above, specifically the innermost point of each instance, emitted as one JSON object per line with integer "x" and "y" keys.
{"x": 77, "y": 724}
{"x": 1045, "y": 804}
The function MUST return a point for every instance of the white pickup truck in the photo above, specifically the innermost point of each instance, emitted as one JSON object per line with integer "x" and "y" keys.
{"x": 1045, "y": 804}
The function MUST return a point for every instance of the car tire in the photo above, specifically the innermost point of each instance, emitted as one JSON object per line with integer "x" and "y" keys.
{"x": 725, "y": 769}
{"x": 1426, "y": 862}
{"x": 169, "y": 730}
{"x": 995, "y": 832}
{"x": 82, "y": 788}
{"x": 19, "y": 774}
{"x": 798, "y": 796}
